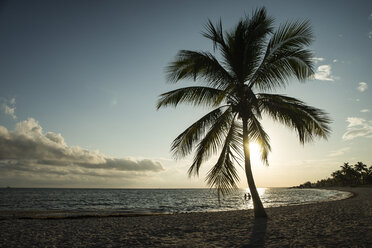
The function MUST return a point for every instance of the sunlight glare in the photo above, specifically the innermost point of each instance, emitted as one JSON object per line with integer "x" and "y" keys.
{"x": 255, "y": 153}
{"x": 261, "y": 191}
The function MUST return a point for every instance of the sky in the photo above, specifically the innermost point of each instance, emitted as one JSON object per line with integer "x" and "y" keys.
{"x": 79, "y": 83}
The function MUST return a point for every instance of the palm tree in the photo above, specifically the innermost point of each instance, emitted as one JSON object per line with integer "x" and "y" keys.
{"x": 346, "y": 168}
{"x": 351, "y": 176}
{"x": 253, "y": 57}
{"x": 360, "y": 167}
{"x": 369, "y": 175}
{"x": 339, "y": 177}
{"x": 362, "y": 170}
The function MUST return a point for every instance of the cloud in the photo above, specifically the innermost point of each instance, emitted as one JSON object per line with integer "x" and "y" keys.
{"x": 362, "y": 86}
{"x": 357, "y": 127}
{"x": 338, "y": 152}
{"x": 8, "y": 107}
{"x": 28, "y": 148}
{"x": 370, "y": 34}
{"x": 323, "y": 73}
{"x": 355, "y": 121}
{"x": 316, "y": 60}
{"x": 364, "y": 110}
{"x": 335, "y": 60}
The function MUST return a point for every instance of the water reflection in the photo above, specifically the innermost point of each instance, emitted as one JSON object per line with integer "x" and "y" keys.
{"x": 155, "y": 200}
{"x": 261, "y": 191}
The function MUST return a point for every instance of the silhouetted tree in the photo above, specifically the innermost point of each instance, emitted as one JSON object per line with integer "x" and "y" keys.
{"x": 350, "y": 175}
{"x": 369, "y": 175}
{"x": 339, "y": 178}
{"x": 358, "y": 174}
{"x": 362, "y": 171}
{"x": 307, "y": 184}
{"x": 253, "y": 58}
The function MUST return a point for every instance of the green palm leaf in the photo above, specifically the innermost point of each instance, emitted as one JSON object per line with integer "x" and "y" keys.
{"x": 257, "y": 134}
{"x": 212, "y": 141}
{"x": 245, "y": 44}
{"x": 307, "y": 120}
{"x": 192, "y": 95}
{"x": 223, "y": 174}
{"x": 285, "y": 57}
{"x": 198, "y": 65}
{"x": 215, "y": 33}
{"x": 184, "y": 143}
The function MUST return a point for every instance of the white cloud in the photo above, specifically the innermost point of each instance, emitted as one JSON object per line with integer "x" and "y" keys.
{"x": 9, "y": 111}
{"x": 362, "y": 86}
{"x": 355, "y": 121}
{"x": 364, "y": 110}
{"x": 324, "y": 72}
{"x": 335, "y": 60}
{"x": 27, "y": 148}
{"x": 316, "y": 60}
{"x": 357, "y": 127}
{"x": 8, "y": 108}
{"x": 339, "y": 152}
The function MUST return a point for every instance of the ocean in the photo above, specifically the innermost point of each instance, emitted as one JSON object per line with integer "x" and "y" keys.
{"x": 154, "y": 200}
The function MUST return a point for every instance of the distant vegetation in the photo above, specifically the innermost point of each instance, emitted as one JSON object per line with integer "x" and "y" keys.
{"x": 357, "y": 175}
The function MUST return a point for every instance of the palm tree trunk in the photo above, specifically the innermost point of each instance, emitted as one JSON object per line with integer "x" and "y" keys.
{"x": 259, "y": 211}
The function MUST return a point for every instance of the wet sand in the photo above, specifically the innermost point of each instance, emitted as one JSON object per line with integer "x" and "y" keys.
{"x": 342, "y": 223}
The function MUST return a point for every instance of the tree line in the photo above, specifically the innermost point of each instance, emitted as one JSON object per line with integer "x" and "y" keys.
{"x": 349, "y": 175}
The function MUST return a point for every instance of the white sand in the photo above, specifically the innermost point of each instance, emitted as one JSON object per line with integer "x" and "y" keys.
{"x": 343, "y": 223}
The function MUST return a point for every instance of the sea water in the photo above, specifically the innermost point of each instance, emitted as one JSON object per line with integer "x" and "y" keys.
{"x": 155, "y": 200}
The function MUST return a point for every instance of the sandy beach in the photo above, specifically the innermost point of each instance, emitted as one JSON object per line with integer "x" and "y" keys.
{"x": 342, "y": 223}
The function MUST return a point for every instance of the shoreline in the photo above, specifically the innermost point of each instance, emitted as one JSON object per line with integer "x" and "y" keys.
{"x": 103, "y": 213}
{"x": 342, "y": 223}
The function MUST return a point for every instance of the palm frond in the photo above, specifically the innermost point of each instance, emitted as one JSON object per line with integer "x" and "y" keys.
{"x": 197, "y": 96}
{"x": 212, "y": 141}
{"x": 215, "y": 34}
{"x": 198, "y": 65}
{"x": 257, "y": 134}
{"x": 309, "y": 122}
{"x": 246, "y": 43}
{"x": 184, "y": 143}
{"x": 223, "y": 174}
{"x": 236, "y": 146}
{"x": 285, "y": 57}
{"x": 290, "y": 35}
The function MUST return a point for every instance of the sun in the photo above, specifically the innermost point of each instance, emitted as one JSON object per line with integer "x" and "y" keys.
{"x": 255, "y": 152}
